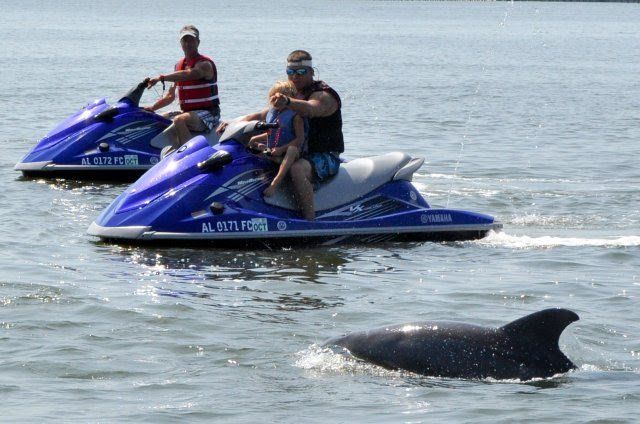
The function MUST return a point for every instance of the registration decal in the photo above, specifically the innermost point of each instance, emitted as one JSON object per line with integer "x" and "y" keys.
{"x": 126, "y": 160}
{"x": 255, "y": 225}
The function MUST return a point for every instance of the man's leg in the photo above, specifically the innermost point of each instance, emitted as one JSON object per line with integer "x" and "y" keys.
{"x": 182, "y": 126}
{"x": 302, "y": 188}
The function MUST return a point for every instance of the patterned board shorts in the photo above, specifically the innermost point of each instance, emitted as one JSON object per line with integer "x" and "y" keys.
{"x": 324, "y": 165}
{"x": 209, "y": 121}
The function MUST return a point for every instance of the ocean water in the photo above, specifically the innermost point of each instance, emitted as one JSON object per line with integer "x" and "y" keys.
{"x": 526, "y": 111}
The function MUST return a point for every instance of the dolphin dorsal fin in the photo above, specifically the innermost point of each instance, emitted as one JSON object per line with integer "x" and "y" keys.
{"x": 545, "y": 326}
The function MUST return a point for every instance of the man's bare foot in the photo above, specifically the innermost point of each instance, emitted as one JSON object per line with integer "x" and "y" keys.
{"x": 269, "y": 191}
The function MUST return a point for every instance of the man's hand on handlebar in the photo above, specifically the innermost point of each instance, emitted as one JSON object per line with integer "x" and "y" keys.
{"x": 152, "y": 81}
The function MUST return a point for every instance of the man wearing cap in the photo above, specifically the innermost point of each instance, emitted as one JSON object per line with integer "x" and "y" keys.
{"x": 196, "y": 78}
{"x": 321, "y": 104}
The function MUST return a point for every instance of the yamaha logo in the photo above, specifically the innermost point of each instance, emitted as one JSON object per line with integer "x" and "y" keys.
{"x": 282, "y": 225}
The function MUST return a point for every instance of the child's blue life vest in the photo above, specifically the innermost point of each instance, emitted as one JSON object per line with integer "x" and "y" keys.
{"x": 285, "y": 132}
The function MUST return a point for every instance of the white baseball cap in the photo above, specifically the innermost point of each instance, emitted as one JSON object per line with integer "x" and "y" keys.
{"x": 189, "y": 30}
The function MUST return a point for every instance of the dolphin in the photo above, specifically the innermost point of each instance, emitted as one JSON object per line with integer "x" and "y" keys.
{"x": 524, "y": 349}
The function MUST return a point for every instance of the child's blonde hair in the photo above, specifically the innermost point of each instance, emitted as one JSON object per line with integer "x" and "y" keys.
{"x": 284, "y": 87}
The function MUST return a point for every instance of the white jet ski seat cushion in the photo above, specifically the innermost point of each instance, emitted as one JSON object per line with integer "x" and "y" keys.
{"x": 169, "y": 137}
{"x": 354, "y": 179}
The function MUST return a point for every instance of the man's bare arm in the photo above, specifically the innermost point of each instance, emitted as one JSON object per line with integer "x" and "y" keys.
{"x": 166, "y": 100}
{"x": 202, "y": 70}
{"x": 256, "y": 116}
{"x": 319, "y": 105}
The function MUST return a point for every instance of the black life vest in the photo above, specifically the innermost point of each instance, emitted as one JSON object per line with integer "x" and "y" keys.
{"x": 325, "y": 133}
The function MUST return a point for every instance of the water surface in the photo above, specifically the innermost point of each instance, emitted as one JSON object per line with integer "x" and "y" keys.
{"x": 526, "y": 111}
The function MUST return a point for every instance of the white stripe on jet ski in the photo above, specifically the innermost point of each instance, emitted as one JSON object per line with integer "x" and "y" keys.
{"x": 245, "y": 190}
{"x": 250, "y": 187}
{"x": 134, "y": 136}
{"x": 52, "y": 167}
{"x": 417, "y": 229}
{"x": 373, "y": 213}
{"x": 228, "y": 184}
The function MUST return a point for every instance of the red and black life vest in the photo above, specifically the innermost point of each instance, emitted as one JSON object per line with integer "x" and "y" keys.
{"x": 200, "y": 94}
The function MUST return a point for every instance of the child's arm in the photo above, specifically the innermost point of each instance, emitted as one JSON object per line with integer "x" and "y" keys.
{"x": 298, "y": 130}
{"x": 258, "y": 140}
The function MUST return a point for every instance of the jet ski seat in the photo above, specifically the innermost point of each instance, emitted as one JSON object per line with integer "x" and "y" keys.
{"x": 169, "y": 137}
{"x": 354, "y": 179}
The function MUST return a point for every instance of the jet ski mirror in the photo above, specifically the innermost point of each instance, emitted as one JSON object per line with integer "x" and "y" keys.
{"x": 107, "y": 115}
{"x": 216, "y": 161}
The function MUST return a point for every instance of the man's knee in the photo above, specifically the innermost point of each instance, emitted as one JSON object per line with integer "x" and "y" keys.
{"x": 181, "y": 119}
{"x": 300, "y": 169}
{"x": 293, "y": 151}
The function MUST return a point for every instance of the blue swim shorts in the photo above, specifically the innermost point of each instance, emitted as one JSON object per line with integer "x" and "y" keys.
{"x": 324, "y": 165}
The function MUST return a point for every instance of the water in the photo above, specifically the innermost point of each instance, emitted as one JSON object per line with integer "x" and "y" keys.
{"x": 526, "y": 111}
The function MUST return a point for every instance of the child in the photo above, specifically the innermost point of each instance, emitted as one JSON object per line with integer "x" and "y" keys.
{"x": 285, "y": 143}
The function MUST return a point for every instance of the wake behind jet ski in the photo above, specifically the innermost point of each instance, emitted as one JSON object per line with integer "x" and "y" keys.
{"x": 213, "y": 194}
{"x": 103, "y": 141}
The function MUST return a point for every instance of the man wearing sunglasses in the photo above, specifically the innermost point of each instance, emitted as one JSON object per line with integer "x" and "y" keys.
{"x": 195, "y": 78}
{"x": 321, "y": 105}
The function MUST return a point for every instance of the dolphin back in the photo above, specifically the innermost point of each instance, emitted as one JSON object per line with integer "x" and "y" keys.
{"x": 523, "y": 349}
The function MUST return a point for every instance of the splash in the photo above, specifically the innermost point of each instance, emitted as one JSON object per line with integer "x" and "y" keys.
{"x": 321, "y": 360}
{"x": 503, "y": 239}
{"x": 541, "y": 220}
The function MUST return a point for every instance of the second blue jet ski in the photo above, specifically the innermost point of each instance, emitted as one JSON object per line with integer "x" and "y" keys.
{"x": 213, "y": 194}
{"x": 102, "y": 141}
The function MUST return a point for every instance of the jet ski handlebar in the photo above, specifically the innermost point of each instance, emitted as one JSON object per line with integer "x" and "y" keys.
{"x": 261, "y": 126}
{"x": 265, "y": 125}
{"x": 134, "y": 95}
{"x": 242, "y": 131}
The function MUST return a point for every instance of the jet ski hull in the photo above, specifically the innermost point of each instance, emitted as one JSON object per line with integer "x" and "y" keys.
{"x": 280, "y": 238}
{"x": 184, "y": 201}
{"x": 48, "y": 169}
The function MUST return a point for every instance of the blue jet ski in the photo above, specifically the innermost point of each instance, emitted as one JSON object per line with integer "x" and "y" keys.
{"x": 213, "y": 194}
{"x": 102, "y": 141}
